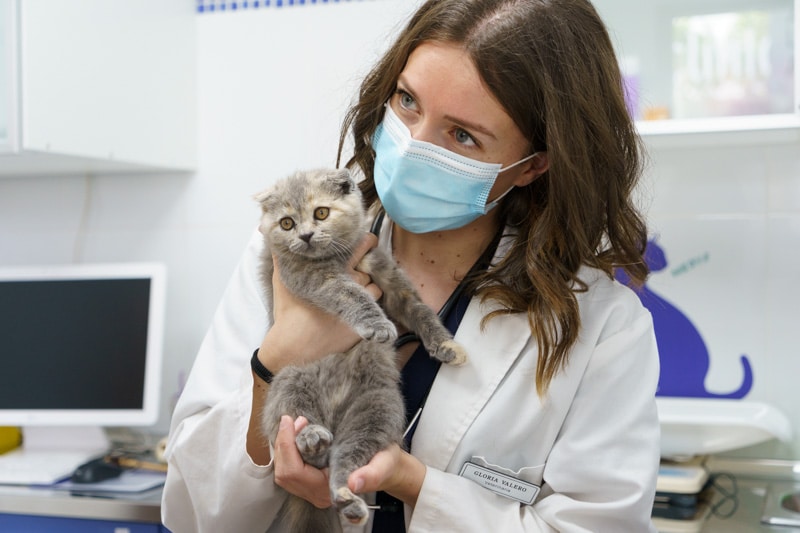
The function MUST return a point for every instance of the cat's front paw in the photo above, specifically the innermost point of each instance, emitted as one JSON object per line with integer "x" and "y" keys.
{"x": 314, "y": 442}
{"x": 383, "y": 331}
{"x": 450, "y": 352}
{"x": 351, "y": 506}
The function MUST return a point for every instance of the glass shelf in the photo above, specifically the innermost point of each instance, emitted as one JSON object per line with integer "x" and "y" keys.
{"x": 708, "y": 66}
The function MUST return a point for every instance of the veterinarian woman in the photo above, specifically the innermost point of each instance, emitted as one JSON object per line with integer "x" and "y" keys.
{"x": 489, "y": 127}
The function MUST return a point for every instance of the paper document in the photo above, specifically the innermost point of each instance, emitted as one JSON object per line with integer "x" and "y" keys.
{"x": 128, "y": 481}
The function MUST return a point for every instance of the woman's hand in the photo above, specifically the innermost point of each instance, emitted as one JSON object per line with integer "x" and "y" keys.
{"x": 300, "y": 334}
{"x": 291, "y": 473}
{"x": 393, "y": 471}
{"x": 303, "y": 333}
{"x": 369, "y": 242}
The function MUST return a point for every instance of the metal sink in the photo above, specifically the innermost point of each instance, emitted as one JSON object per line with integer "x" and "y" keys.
{"x": 782, "y": 505}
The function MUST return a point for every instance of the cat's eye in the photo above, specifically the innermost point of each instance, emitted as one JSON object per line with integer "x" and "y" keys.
{"x": 321, "y": 213}
{"x": 287, "y": 223}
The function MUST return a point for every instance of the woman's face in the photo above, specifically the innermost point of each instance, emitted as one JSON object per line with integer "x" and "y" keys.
{"x": 442, "y": 100}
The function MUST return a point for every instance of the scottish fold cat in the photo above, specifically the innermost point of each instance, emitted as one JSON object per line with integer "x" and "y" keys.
{"x": 311, "y": 222}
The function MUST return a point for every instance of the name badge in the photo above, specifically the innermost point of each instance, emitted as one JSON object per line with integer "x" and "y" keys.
{"x": 501, "y": 484}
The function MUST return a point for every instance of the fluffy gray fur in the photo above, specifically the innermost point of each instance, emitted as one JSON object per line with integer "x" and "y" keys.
{"x": 311, "y": 222}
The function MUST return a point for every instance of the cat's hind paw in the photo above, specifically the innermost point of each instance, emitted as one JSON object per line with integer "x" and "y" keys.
{"x": 313, "y": 443}
{"x": 383, "y": 331}
{"x": 352, "y": 507}
{"x": 451, "y": 353}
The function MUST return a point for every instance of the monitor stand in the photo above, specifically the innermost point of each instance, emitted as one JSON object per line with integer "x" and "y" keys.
{"x": 51, "y": 454}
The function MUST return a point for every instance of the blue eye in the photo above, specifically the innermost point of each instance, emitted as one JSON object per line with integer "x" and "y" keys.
{"x": 406, "y": 100}
{"x": 462, "y": 137}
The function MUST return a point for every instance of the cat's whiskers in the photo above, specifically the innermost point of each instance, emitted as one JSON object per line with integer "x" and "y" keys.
{"x": 342, "y": 249}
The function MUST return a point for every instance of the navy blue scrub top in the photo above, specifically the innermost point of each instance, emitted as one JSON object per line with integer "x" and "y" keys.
{"x": 416, "y": 381}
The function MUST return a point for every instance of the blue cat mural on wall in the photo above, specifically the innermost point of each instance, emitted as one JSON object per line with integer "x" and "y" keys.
{"x": 683, "y": 353}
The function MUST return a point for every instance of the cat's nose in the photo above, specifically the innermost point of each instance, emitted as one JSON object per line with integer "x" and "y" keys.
{"x": 306, "y": 237}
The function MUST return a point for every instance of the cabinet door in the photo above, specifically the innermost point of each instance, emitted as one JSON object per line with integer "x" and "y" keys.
{"x": 707, "y": 65}
{"x": 91, "y": 86}
{"x": 8, "y": 78}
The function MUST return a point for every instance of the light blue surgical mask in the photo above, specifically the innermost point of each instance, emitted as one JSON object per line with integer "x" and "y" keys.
{"x": 424, "y": 187}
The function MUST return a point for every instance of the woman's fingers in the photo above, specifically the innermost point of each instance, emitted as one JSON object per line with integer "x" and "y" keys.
{"x": 369, "y": 242}
{"x": 392, "y": 470}
{"x": 302, "y": 332}
{"x": 294, "y": 475}
{"x": 356, "y": 265}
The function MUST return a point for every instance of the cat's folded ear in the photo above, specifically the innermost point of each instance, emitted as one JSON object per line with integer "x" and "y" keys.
{"x": 263, "y": 197}
{"x": 341, "y": 181}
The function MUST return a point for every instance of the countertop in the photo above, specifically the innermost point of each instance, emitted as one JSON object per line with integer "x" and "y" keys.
{"x": 137, "y": 507}
{"x": 760, "y": 484}
{"x": 747, "y": 518}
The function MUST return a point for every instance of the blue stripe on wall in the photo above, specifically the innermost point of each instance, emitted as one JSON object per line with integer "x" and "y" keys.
{"x": 213, "y": 6}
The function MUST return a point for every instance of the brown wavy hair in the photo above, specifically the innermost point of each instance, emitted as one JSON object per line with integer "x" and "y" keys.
{"x": 552, "y": 66}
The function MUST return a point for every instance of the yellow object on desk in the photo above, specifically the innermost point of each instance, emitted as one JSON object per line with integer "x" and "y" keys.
{"x": 10, "y": 438}
{"x": 142, "y": 463}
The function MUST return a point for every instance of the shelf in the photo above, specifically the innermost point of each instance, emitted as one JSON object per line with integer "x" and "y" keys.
{"x": 712, "y": 71}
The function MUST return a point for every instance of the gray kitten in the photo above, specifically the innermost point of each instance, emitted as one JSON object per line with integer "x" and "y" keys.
{"x": 311, "y": 222}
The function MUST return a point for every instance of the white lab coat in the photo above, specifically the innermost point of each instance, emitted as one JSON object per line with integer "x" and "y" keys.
{"x": 592, "y": 444}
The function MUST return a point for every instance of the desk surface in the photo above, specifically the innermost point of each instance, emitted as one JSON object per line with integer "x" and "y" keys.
{"x": 146, "y": 506}
{"x": 138, "y": 507}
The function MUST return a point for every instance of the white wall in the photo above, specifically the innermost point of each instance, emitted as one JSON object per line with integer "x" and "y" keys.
{"x": 273, "y": 84}
{"x": 728, "y": 218}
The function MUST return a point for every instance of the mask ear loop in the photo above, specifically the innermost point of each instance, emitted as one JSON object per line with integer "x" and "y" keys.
{"x": 491, "y": 205}
{"x": 512, "y": 165}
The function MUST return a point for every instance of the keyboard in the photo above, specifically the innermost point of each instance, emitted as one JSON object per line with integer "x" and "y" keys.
{"x": 40, "y": 467}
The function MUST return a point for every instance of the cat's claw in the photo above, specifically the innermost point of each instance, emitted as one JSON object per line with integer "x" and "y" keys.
{"x": 450, "y": 352}
{"x": 313, "y": 443}
{"x": 351, "y": 506}
{"x": 383, "y": 331}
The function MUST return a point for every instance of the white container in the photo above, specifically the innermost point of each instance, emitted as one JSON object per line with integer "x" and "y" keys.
{"x": 692, "y": 426}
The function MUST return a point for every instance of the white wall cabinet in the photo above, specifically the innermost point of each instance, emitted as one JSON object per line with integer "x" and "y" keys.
{"x": 96, "y": 86}
{"x": 709, "y": 66}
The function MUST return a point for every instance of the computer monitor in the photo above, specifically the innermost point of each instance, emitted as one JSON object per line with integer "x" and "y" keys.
{"x": 80, "y": 349}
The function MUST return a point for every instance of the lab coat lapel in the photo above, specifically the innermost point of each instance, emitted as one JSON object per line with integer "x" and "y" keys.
{"x": 459, "y": 393}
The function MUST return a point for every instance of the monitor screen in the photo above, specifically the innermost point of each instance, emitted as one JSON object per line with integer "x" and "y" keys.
{"x": 80, "y": 345}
